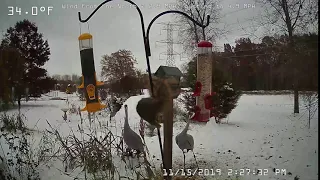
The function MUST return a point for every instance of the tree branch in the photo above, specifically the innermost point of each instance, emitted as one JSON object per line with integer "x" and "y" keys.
{"x": 297, "y": 16}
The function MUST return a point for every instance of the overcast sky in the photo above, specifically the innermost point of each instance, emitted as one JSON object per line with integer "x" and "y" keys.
{"x": 115, "y": 28}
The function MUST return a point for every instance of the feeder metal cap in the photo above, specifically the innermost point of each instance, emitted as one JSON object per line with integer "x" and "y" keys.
{"x": 205, "y": 44}
{"x": 85, "y": 36}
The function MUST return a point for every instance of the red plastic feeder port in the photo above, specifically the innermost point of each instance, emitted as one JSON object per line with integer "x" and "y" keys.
{"x": 204, "y": 117}
{"x": 197, "y": 111}
{"x": 200, "y": 117}
{"x": 208, "y": 101}
{"x": 198, "y": 88}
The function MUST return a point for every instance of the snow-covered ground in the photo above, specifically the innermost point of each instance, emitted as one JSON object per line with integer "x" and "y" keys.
{"x": 260, "y": 133}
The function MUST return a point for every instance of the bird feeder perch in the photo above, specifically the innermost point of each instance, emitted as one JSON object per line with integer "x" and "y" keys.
{"x": 203, "y": 85}
{"x": 89, "y": 78}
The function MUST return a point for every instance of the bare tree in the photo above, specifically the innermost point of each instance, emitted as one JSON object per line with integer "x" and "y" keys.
{"x": 190, "y": 33}
{"x": 66, "y": 77}
{"x": 311, "y": 100}
{"x": 118, "y": 65}
{"x": 74, "y": 77}
{"x": 291, "y": 16}
{"x": 57, "y": 77}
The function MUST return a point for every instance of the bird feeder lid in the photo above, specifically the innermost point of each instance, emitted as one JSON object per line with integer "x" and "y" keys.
{"x": 85, "y": 36}
{"x": 165, "y": 71}
{"x": 204, "y": 44}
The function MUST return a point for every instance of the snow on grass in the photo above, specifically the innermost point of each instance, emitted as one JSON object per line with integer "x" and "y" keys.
{"x": 261, "y": 133}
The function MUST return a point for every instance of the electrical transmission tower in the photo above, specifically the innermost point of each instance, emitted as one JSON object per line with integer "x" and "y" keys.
{"x": 3, "y": 33}
{"x": 170, "y": 42}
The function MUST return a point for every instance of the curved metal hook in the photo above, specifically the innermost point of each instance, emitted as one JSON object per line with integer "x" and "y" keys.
{"x": 83, "y": 21}
{"x": 178, "y": 12}
{"x": 87, "y": 19}
{"x": 146, "y": 41}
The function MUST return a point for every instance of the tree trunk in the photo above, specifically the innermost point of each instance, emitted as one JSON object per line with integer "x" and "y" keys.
{"x": 295, "y": 80}
{"x": 19, "y": 102}
{"x": 203, "y": 34}
{"x": 291, "y": 46}
{"x": 195, "y": 33}
{"x": 270, "y": 82}
{"x": 309, "y": 109}
{"x": 296, "y": 100}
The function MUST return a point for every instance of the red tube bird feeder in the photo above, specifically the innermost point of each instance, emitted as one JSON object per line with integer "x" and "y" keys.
{"x": 203, "y": 85}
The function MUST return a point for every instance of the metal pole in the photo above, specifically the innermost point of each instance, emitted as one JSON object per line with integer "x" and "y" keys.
{"x": 167, "y": 142}
{"x": 168, "y": 121}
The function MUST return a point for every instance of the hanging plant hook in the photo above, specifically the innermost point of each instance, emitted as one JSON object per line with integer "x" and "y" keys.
{"x": 146, "y": 40}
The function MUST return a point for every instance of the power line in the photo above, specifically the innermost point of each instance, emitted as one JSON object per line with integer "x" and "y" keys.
{"x": 172, "y": 24}
{"x": 245, "y": 20}
{"x": 233, "y": 12}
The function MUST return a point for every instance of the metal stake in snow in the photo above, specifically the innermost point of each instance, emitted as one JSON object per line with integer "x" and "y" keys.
{"x": 203, "y": 85}
{"x": 65, "y": 117}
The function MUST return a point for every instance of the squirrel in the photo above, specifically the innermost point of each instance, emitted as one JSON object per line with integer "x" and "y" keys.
{"x": 152, "y": 108}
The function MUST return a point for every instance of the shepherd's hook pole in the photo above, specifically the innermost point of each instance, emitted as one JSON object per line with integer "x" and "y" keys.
{"x": 168, "y": 123}
{"x": 147, "y": 50}
{"x": 147, "y": 43}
